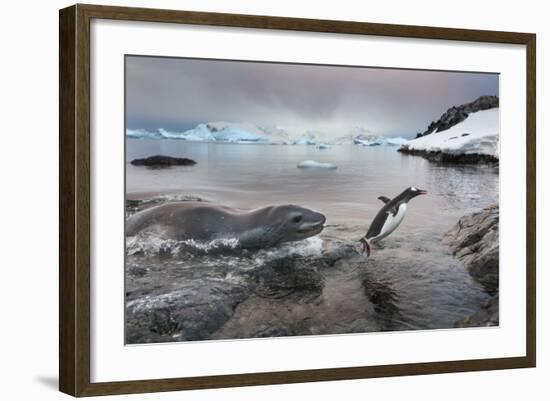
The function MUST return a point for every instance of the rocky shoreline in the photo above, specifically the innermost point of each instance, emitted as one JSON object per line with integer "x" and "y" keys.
{"x": 450, "y": 158}
{"x": 210, "y": 301}
{"x": 474, "y": 240}
{"x": 176, "y": 295}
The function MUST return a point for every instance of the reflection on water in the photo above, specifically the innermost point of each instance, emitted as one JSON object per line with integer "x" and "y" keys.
{"x": 256, "y": 175}
{"x": 410, "y": 282}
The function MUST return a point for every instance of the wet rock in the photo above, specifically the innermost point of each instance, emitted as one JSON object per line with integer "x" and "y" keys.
{"x": 272, "y": 331}
{"x": 474, "y": 241}
{"x": 137, "y": 271}
{"x": 166, "y": 300}
{"x": 163, "y": 161}
{"x": 363, "y": 326}
{"x": 339, "y": 250}
{"x": 488, "y": 315}
{"x": 190, "y": 313}
{"x": 286, "y": 276}
{"x": 170, "y": 303}
{"x": 384, "y": 300}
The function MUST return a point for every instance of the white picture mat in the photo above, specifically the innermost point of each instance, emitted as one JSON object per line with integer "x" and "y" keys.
{"x": 113, "y": 361}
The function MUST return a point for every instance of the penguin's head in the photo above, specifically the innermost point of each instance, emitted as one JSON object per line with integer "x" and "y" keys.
{"x": 413, "y": 192}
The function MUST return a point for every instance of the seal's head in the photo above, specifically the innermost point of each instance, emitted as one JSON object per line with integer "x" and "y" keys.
{"x": 295, "y": 223}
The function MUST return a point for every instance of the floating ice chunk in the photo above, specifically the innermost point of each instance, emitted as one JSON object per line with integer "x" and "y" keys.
{"x": 314, "y": 164}
{"x": 323, "y": 146}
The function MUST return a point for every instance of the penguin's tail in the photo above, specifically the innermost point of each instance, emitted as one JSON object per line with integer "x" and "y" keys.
{"x": 366, "y": 245}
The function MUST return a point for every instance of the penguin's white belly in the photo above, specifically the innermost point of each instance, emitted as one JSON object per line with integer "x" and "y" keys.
{"x": 392, "y": 222}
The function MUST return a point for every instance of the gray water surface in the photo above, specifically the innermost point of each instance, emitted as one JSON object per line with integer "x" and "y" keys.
{"x": 424, "y": 285}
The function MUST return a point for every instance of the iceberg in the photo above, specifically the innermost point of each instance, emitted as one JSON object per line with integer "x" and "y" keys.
{"x": 218, "y": 132}
{"x": 375, "y": 140}
{"x": 143, "y": 134}
{"x": 226, "y": 132}
{"x": 246, "y": 133}
{"x": 305, "y": 141}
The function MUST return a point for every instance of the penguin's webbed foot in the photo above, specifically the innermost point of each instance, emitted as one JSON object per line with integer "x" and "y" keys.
{"x": 365, "y": 246}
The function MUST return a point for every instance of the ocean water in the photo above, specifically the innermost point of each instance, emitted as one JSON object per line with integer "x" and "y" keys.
{"x": 426, "y": 285}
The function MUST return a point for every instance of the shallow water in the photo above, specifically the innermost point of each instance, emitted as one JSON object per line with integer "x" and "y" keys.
{"x": 410, "y": 282}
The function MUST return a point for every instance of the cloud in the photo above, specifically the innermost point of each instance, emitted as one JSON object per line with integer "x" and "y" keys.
{"x": 178, "y": 93}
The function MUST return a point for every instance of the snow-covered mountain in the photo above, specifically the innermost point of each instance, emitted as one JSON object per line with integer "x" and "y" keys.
{"x": 478, "y": 134}
{"x": 249, "y": 133}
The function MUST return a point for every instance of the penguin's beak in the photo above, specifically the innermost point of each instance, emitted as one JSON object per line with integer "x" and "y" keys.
{"x": 422, "y": 192}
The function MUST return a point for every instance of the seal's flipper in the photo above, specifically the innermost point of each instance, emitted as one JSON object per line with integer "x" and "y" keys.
{"x": 384, "y": 199}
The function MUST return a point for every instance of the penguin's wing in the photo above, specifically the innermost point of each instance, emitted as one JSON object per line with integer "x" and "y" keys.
{"x": 393, "y": 210}
{"x": 384, "y": 199}
{"x": 377, "y": 223}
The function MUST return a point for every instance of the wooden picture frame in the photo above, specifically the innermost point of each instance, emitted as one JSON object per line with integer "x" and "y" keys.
{"x": 74, "y": 201}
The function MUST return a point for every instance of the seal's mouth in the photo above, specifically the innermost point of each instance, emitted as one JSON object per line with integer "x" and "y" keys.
{"x": 311, "y": 228}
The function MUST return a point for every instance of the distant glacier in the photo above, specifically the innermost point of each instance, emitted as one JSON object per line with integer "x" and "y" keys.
{"x": 244, "y": 133}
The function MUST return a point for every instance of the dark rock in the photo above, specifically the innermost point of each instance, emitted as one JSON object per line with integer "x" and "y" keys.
{"x": 364, "y": 326}
{"x": 272, "y": 331}
{"x": 189, "y": 313}
{"x": 285, "y": 276}
{"x": 137, "y": 271}
{"x": 488, "y": 315}
{"x": 339, "y": 250}
{"x": 163, "y": 161}
{"x": 474, "y": 240}
{"x": 167, "y": 301}
{"x": 457, "y": 114}
{"x": 385, "y": 301}
{"x": 450, "y": 158}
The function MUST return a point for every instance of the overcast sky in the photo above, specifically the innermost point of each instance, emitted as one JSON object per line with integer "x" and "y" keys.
{"x": 177, "y": 94}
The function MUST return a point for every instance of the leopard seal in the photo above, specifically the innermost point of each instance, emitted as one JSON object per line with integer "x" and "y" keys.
{"x": 205, "y": 222}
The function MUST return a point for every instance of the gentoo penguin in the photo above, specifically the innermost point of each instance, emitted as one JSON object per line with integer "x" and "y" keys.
{"x": 389, "y": 217}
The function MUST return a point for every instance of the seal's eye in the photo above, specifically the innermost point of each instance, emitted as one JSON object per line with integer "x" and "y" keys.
{"x": 297, "y": 219}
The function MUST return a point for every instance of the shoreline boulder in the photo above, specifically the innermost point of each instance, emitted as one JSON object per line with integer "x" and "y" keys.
{"x": 474, "y": 240}
{"x": 487, "y": 316}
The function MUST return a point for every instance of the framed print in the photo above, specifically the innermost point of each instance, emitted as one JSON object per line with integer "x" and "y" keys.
{"x": 250, "y": 200}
